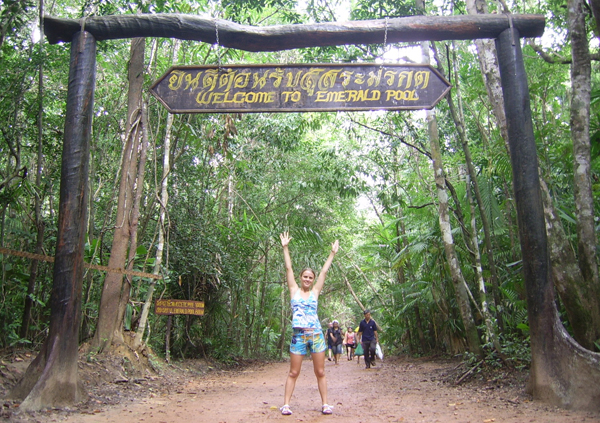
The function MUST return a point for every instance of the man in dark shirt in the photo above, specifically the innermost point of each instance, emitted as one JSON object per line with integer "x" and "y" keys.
{"x": 368, "y": 337}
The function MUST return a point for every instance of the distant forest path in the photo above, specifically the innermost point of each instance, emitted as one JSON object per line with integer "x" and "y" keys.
{"x": 396, "y": 390}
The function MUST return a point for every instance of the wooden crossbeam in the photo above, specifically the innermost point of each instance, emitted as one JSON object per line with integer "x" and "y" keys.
{"x": 285, "y": 37}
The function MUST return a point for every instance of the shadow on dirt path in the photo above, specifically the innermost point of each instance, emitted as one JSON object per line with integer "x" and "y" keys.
{"x": 396, "y": 390}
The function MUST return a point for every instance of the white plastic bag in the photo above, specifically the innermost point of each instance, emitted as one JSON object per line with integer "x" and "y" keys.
{"x": 378, "y": 351}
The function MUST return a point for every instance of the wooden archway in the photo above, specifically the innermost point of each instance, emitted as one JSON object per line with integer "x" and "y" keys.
{"x": 563, "y": 373}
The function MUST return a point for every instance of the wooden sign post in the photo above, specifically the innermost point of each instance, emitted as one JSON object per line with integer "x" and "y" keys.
{"x": 299, "y": 88}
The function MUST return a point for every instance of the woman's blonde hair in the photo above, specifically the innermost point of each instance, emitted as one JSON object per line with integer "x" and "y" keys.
{"x": 309, "y": 269}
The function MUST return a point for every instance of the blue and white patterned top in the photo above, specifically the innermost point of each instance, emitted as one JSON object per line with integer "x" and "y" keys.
{"x": 304, "y": 312}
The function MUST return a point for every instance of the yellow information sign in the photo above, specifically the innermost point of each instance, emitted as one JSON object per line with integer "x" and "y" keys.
{"x": 299, "y": 87}
{"x": 166, "y": 307}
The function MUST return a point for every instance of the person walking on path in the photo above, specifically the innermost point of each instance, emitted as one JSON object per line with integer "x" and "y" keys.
{"x": 307, "y": 332}
{"x": 368, "y": 337}
{"x": 337, "y": 339}
{"x": 328, "y": 339}
{"x": 350, "y": 342}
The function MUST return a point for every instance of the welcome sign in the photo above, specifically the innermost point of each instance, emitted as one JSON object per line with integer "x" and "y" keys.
{"x": 299, "y": 88}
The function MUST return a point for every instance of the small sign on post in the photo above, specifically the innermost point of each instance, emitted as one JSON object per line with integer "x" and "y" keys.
{"x": 299, "y": 88}
{"x": 169, "y": 307}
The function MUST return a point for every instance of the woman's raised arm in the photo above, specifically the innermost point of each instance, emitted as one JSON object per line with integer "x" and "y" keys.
{"x": 321, "y": 279}
{"x": 289, "y": 272}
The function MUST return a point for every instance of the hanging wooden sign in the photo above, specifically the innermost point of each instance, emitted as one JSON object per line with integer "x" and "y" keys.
{"x": 299, "y": 88}
{"x": 166, "y": 307}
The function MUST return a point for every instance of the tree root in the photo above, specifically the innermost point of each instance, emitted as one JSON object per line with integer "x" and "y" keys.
{"x": 468, "y": 373}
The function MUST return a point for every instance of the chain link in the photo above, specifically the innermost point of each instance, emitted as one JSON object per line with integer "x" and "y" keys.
{"x": 218, "y": 46}
{"x": 385, "y": 33}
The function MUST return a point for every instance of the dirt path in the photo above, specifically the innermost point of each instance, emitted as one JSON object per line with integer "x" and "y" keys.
{"x": 396, "y": 390}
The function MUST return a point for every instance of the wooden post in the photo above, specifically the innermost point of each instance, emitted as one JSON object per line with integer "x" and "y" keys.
{"x": 51, "y": 380}
{"x": 72, "y": 215}
{"x": 526, "y": 183}
{"x": 562, "y": 372}
{"x": 168, "y": 338}
{"x": 526, "y": 187}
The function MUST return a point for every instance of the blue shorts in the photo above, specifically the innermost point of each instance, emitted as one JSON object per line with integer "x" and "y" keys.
{"x": 337, "y": 349}
{"x": 304, "y": 340}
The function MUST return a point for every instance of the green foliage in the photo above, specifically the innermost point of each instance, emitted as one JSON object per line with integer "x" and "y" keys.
{"x": 14, "y": 16}
{"x": 518, "y": 349}
{"x": 254, "y": 12}
{"x": 379, "y": 9}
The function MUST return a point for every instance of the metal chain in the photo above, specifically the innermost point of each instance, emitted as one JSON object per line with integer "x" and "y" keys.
{"x": 218, "y": 46}
{"x": 384, "y": 41}
{"x": 93, "y": 11}
{"x": 385, "y": 33}
{"x": 512, "y": 29}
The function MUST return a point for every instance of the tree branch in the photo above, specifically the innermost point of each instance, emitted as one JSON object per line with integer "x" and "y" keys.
{"x": 553, "y": 57}
{"x": 425, "y": 153}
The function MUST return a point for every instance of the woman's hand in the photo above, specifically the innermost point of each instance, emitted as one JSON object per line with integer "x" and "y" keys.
{"x": 335, "y": 246}
{"x": 285, "y": 238}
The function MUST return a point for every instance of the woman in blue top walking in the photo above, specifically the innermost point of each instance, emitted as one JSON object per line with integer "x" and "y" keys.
{"x": 307, "y": 333}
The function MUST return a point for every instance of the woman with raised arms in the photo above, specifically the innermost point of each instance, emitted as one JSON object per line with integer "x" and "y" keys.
{"x": 307, "y": 332}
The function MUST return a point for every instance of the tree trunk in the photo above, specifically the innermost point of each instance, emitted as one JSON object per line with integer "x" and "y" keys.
{"x": 51, "y": 380}
{"x": 33, "y": 269}
{"x": 579, "y": 302}
{"x": 142, "y": 132}
{"x": 580, "y": 135}
{"x": 471, "y": 178}
{"x": 162, "y": 219}
{"x": 168, "y": 338}
{"x": 263, "y": 294}
{"x": 487, "y": 232}
{"x": 462, "y": 297}
{"x": 358, "y": 269}
{"x": 283, "y": 321}
{"x": 490, "y": 322}
{"x": 460, "y": 285}
{"x": 362, "y": 307}
{"x": 108, "y": 314}
{"x": 164, "y": 200}
{"x": 562, "y": 372}
{"x": 419, "y": 325}
{"x": 488, "y": 63}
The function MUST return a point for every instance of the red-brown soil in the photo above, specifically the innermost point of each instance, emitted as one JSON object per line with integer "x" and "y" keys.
{"x": 396, "y": 390}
